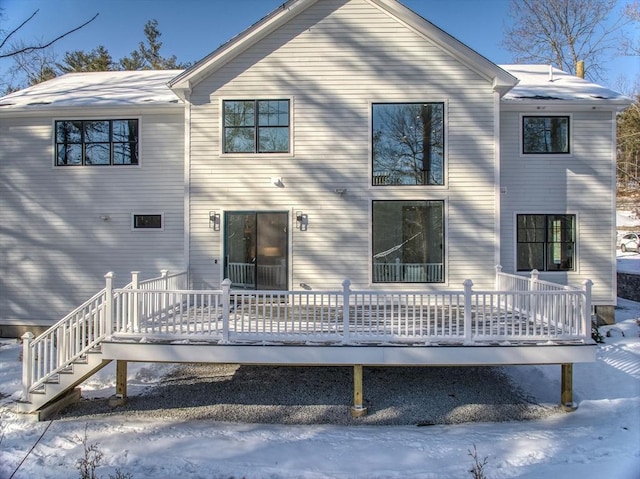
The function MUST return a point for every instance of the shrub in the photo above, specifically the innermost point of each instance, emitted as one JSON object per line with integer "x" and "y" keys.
{"x": 477, "y": 471}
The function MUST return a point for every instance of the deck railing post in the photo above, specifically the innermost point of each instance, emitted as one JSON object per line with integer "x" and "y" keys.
{"x": 498, "y": 277}
{"x": 164, "y": 306}
{"x": 135, "y": 302}
{"x": 226, "y": 303}
{"x": 27, "y": 365}
{"x": 346, "y": 293}
{"x": 587, "y": 284}
{"x": 533, "y": 282}
{"x": 468, "y": 332}
{"x": 108, "y": 304}
{"x": 164, "y": 274}
{"x": 533, "y": 287}
{"x": 398, "y": 271}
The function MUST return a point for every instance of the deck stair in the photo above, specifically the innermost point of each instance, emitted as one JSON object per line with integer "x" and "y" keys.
{"x": 69, "y": 352}
{"x": 65, "y": 380}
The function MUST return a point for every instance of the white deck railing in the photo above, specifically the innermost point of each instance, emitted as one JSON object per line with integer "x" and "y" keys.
{"x": 520, "y": 310}
{"x": 79, "y": 332}
{"x": 347, "y": 316}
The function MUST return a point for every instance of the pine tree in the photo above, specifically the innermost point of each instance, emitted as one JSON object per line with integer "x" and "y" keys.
{"x": 97, "y": 60}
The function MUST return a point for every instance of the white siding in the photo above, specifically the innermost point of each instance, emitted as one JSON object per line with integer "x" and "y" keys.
{"x": 580, "y": 183}
{"x": 54, "y": 246}
{"x": 332, "y": 61}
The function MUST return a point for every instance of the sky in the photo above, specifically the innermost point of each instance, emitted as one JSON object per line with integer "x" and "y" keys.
{"x": 191, "y": 29}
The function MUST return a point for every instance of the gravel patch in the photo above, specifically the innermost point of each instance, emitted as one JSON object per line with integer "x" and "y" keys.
{"x": 323, "y": 395}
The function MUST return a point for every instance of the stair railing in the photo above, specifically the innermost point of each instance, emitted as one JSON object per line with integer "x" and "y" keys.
{"x": 65, "y": 342}
{"x": 79, "y": 332}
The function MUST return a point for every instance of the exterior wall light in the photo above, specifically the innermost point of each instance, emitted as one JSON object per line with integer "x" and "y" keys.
{"x": 214, "y": 220}
{"x": 302, "y": 220}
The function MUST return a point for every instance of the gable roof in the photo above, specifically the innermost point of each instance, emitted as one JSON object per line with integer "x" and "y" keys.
{"x": 502, "y": 81}
{"x": 546, "y": 84}
{"x": 96, "y": 89}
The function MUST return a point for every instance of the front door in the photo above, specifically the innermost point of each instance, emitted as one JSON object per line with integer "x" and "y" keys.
{"x": 256, "y": 249}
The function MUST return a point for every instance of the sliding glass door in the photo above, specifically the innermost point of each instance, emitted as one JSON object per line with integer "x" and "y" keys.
{"x": 256, "y": 249}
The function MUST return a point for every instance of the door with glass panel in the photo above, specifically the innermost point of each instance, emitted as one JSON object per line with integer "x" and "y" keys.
{"x": 256, "y": 250}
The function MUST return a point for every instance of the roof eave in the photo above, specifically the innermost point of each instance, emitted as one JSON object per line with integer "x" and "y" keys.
{"x": 52, "y": 109}
{"x": 615, "y": 104}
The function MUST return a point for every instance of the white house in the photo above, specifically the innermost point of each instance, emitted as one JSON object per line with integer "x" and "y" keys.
{"x": 333, "y": 139}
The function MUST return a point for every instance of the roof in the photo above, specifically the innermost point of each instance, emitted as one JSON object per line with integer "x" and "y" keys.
{"x": 502, "y": 80}
{"x": 548, "y": 84}
{"x": 96, "y": 89}
{"x": 537, "y": 84}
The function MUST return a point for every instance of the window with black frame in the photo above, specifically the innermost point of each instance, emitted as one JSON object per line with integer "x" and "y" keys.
{"x": 96, "y": 142}
{"x": 545, "y": 135}
{"x": 147, "y": 221}
{"x": 408, "y": 241}
{"x": 408, "y": 144}
{"x": 546, "y": 242}
{"x": 256, "y": 126}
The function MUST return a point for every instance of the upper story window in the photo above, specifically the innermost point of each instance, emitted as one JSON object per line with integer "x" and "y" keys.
{"x": 256, "y": 126}
{"x": 96, "y": 142}
{"x": 545, "y": 134}
{"x": 546, "y": 242}
{"x": 408, "y": 143}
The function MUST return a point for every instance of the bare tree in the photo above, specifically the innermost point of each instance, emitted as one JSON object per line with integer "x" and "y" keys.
{"x": 12, "y": 49}
{"x": 35, "y": 67}
{"x": 631, "y": 46}
{"x": 628, "y": 156}
{"x": 563, "y": 32}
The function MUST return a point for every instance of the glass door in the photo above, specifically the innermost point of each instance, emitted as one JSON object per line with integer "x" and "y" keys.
{"x": 256, "y": 250}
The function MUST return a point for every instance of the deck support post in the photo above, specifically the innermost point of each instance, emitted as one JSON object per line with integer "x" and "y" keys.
{"x": 357, "y": 410}
{"x": 120, "y": 399}
{"x": 566, "y": 381}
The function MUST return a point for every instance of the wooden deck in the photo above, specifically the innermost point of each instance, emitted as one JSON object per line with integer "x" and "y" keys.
{"x": 522, "y": 321}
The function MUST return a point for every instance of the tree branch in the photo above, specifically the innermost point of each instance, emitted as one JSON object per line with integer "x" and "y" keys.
{"x": 18, "y": 28}
{"x": 39, "y": 47}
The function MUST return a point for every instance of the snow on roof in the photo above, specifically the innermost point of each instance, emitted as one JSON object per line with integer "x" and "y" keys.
{"x": 112, "y": 88}
{"x": 544, "y": 82}
{"x": 150, "y": 87}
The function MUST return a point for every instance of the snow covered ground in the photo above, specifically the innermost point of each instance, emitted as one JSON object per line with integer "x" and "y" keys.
{"x": 601, "y": 439}
{"x": 628, "y": 262}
